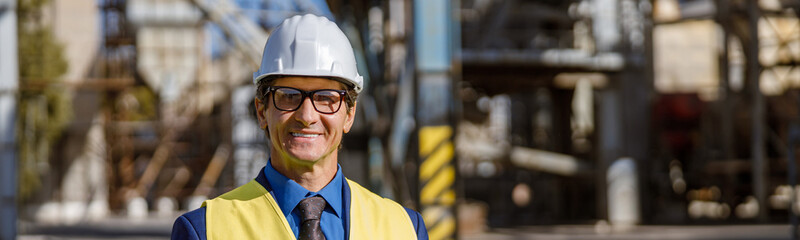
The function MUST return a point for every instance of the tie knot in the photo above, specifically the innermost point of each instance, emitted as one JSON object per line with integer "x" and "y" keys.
{"x": 311, "y": 208}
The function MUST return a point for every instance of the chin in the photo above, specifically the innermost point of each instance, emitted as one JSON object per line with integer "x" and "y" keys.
{"x": 306, "y": 157}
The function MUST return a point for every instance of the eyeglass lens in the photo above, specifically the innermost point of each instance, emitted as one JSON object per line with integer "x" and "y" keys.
{"x": 290, "y": 99}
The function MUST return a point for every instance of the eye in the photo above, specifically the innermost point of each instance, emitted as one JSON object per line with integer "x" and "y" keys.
{"x": 287, "y": 94}
{"x": 326, "y": 97}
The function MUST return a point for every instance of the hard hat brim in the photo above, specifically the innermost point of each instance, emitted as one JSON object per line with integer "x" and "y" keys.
{"x": 350, "y": 83}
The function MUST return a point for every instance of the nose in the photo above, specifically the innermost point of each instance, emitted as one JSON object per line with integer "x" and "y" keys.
{"x": 306, "y": 114}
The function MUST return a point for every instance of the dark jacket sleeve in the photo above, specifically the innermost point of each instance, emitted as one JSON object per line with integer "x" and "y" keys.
{"x": 419, "y": 224}
{"x": 190, "y": 226}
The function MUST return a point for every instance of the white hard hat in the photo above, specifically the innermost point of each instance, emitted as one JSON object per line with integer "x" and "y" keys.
{"x": 309, "y": 45}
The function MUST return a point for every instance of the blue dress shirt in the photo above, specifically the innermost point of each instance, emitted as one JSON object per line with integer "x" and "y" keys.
{"x": 289, "y": 193}
{"x": 192, "y": 225}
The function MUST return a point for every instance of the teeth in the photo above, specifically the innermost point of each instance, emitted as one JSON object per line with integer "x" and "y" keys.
{"x": 304, "y": 135}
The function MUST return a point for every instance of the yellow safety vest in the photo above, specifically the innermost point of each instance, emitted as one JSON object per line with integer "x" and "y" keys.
{"x": 250, "y": 212}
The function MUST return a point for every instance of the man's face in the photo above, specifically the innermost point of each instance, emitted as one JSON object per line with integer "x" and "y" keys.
{"x": 304, "y": 136}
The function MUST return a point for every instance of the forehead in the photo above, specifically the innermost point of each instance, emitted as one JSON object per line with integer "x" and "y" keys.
{"x": 308, "y": 83}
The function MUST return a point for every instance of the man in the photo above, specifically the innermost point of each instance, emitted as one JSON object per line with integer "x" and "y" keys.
{"x": 306, "y": 101}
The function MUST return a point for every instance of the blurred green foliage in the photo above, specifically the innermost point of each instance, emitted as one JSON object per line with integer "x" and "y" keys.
{"x": 44, "y": 106}
{"x": 148, "y": 104}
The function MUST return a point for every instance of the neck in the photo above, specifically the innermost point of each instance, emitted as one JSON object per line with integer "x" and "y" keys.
{"x": 313, "y": 176}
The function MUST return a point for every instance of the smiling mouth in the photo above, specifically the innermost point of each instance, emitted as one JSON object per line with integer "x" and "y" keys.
{"x": 304, "y": 135}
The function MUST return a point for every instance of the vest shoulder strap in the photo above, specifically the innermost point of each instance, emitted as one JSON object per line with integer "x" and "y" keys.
{"x": 375, "y": 217}
{"x": 247, "y": 212}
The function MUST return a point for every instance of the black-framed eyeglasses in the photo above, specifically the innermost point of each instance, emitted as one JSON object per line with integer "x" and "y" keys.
{"x": 325, "y": 101}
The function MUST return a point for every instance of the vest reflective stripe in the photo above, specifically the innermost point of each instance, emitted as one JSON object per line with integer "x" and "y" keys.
{"x": 250, "y": 212}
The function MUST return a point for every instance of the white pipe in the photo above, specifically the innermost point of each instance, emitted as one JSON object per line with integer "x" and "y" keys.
{"x": 551, "y": 162}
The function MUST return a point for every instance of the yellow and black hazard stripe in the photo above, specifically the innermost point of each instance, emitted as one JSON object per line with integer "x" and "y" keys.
{"x": 437, "y": 175}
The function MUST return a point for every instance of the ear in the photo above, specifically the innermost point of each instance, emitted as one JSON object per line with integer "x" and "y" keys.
{"x": 351, "y": 117}
{"x": 261, "y": 111}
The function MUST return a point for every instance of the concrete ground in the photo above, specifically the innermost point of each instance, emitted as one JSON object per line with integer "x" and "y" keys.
{"x": 118, "y": 228}
{"x": 580, "y": 232}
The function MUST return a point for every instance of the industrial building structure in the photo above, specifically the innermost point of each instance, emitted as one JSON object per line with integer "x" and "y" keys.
{"x": 477, "y": 113}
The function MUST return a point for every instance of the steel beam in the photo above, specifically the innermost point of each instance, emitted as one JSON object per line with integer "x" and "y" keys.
{"x": 760, "y": 166}
{"x": 725, "y": 103}
{"x": 636, "y": 87}
{"x": 609, "y": 141}
{"x": 566, "y": 58}
{"x": 9, "y": 74}
{"x": 794, "y": 137}
{"x": 434, "y": 45}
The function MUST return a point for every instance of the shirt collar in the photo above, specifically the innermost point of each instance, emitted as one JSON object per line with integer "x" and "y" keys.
{"x": 289, "y": 193}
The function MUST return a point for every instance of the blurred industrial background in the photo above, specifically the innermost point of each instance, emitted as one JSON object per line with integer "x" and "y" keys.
{"x": 496, "y": 119}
